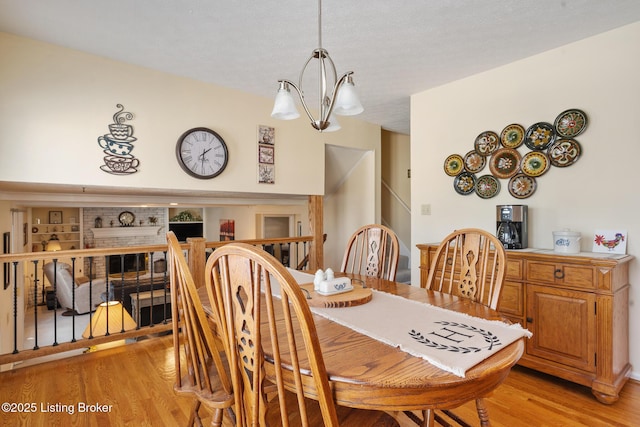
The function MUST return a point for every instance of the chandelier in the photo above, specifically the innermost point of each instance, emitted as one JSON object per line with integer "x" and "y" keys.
{"x": 342, "y": 99}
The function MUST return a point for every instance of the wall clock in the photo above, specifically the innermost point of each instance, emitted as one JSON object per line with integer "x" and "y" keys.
{"x": 202, "y": 153}
{"x": 126, "y": 218}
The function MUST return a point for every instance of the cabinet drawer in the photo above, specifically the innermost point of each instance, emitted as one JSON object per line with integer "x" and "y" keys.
{"x": 514, "y": 269}
{"x": 511, "y": 299}
{"x": 561, "y": 274}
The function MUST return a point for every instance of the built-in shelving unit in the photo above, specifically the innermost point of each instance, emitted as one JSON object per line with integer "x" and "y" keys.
{"x": 51, "y": 225}
{"x": 186, "y": 223}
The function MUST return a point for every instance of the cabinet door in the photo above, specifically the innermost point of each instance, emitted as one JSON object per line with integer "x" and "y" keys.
{"x": 564, "y": 326}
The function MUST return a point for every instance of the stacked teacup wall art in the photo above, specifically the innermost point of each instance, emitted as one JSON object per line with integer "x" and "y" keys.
{"x": 548, "y": 145}
{"x": 118, "y": 144}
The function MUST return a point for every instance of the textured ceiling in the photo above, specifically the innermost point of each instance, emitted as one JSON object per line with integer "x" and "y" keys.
{"x": 396, "y": 48}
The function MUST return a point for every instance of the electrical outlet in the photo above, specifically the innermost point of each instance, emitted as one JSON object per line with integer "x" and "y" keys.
{"x": 425, "y": 209}
{"x": 408, "y": 173}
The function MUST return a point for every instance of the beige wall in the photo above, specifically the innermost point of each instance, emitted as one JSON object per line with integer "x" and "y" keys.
{"x": 350, "y": 207}
{"x": 56, "y": 102}
{"x": 246, "y": 219}
{"x": 6, "y": 295}
{"x": 598, "y": 75}
{"x": 396, "y": 195}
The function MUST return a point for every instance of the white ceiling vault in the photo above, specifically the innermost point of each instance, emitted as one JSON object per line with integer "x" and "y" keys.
{"x": 396, "y": 48}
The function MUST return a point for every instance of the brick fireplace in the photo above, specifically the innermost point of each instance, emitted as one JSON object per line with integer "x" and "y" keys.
{"x": 112, "y": 235}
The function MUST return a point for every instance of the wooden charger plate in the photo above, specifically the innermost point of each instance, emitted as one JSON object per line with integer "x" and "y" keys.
{"x": 358, "y": 296}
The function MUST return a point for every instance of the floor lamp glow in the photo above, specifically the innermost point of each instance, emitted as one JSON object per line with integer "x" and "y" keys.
{"x": 109, "y": 313}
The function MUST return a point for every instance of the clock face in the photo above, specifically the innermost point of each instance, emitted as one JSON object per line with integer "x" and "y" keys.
{"x": 202, "y": 153}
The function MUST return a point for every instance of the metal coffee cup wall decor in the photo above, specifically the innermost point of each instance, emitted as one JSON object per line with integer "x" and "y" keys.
{"x": 118, "y": 144}
{"x": 549, "y": 145}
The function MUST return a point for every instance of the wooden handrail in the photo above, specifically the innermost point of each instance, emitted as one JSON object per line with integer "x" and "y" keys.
{"x": 196, "y": 249}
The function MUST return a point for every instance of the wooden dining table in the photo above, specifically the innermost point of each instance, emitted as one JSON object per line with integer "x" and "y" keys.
{"x": 369, "y": 374}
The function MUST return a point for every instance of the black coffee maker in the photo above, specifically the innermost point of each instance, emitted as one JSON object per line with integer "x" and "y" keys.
{"x": 512, "y": 226}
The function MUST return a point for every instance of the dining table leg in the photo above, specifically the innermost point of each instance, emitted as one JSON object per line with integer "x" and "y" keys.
{"x": 427, "y": 418}
{"x": 483, "y": 413}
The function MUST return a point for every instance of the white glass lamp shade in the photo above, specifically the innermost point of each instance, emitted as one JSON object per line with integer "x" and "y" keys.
{"x": 347, "y": 101}
{"x": 284, "y": 107}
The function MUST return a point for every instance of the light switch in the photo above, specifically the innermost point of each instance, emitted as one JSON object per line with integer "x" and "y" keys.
{"x": 425, "y": 209}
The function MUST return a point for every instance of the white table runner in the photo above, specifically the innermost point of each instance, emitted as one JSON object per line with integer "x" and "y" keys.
{"x": 452, "y": 341}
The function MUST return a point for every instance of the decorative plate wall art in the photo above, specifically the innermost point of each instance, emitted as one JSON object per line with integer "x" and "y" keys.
{"x": 534, "y": 163}
{"x": 453, "y": 165}
{"x": 522, "y": 186}
{"x": 487, "y": 186}
{"x": 570, "y": 123}
{"x": 486, "y": 143}
{"x": 539, "y": 136}
{"x": 474, "y": 162}
{"x": 465, "y": 183}
{"x": 519, "y": 155}
{"x": 564, "y": 152}
{"x": 505, "y": 163}
{"x": 512, "y": 136}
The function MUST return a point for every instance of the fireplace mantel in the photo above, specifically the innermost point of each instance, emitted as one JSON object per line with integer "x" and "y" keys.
{"x": 107, "y": 232}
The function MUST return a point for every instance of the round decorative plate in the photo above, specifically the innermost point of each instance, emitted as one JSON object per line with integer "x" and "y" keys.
{"x": 474, "y": 162}
{"x": 570, "y": 123}
{"x": 522, "y": 186}
{"x": 453, "y": 165}
{"x": 564, "y": 152}
{"x": 534, "y": 163}
{"x": 505, "y": 163}
{"x": 465, "y": 183}
{"x": 512, "y": 136}
{"x": 486, "y": 143}
{"x": 540, "y": 136}
{"x": 487, "y": 186}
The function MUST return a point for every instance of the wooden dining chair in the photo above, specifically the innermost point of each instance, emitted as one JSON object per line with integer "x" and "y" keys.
{"x": 250, "y": 288}
{"x": 373, "y": 250}
{"x": 469, "y": 263}
{"x": 199, "y": 365}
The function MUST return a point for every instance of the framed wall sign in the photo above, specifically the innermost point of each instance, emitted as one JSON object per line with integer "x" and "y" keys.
{"x": 55, "y": 217}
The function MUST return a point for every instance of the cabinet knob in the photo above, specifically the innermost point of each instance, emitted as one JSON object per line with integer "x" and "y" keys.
{"x": 529, "y": 319}
{"x": 558, "y": 274}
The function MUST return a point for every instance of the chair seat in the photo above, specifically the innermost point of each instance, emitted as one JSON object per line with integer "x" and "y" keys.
{"x": 217, "y": 399}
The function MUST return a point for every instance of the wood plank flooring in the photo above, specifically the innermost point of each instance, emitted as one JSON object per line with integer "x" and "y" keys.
{"x": 132, "y": 385}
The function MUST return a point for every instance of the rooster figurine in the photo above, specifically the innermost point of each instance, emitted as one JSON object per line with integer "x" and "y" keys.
{"x": 609, "y": 244}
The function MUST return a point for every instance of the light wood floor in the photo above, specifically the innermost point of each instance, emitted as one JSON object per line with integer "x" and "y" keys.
{"x": 134, "y": 384}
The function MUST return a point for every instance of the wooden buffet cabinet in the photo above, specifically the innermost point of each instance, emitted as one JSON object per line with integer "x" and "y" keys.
{"x": 577, "y": 307}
